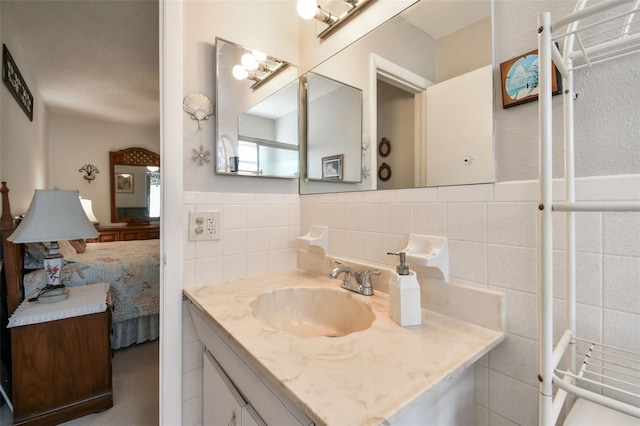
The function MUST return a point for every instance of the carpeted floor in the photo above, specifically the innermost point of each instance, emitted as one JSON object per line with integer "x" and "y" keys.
{"x": 135, "y": 391}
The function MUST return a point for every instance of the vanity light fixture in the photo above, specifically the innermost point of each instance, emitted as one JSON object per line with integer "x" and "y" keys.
{"x": 257, "y": 66}
{"x": 153, "y": 168}
{"x": 90, "y": 171}
{"x": 310, "y": 9}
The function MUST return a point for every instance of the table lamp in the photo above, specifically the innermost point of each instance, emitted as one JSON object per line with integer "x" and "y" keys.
{"x": 54, "y": 215}
{"x": 87, "y": 206}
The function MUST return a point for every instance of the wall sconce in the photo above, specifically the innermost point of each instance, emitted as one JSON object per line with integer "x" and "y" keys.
{"x": 310, "y": 9}
{"x": 258, "y": 67}
{"x": 90, "y": 171}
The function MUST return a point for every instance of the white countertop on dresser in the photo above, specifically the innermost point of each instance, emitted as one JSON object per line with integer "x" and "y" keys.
{"x": 368, "y": 377}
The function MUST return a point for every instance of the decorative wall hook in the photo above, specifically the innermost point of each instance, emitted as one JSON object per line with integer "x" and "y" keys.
{"x": 198, "y": 106}
{"x": 90, "y": 171}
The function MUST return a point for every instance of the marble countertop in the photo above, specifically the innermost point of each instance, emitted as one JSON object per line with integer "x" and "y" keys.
{"x": 369, "y": 377}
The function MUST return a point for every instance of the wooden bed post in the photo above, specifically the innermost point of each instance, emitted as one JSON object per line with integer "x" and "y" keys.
{"x": 11, "y": 254}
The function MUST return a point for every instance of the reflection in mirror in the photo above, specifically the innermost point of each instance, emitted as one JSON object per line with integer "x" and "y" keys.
{"x": 334, "y": 130}
{"x": 268, "y": 135}
{"x": 135, "y": 185}
{"x": 398, "y": 65}
{"x": 259, "y": 114}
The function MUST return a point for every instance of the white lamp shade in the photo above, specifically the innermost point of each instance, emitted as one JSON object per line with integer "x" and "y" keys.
{"x": 87, "y": 206}
{"x": 54, "y": 215}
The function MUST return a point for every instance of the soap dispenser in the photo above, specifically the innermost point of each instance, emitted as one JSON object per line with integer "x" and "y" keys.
{"x": 404, "y": 295}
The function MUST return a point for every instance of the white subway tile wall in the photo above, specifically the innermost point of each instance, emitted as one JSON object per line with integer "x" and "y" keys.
{"x": 493, "y": 239}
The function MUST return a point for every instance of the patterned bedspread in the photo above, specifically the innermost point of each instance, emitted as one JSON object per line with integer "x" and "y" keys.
{"x": 132, "y": 268}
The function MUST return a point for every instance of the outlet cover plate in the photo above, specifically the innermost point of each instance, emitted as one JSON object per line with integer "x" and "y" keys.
{"x": 204, "y": 225}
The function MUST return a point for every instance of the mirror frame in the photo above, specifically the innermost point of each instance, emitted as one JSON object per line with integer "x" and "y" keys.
{"x": 135, "y": 156}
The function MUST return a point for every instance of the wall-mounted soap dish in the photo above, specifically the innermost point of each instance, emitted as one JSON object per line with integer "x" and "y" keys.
{"x": 425, "y": 252}
{"x": 317, "y": 238}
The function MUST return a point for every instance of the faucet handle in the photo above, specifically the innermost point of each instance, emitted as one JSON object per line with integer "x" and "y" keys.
{"x": 367, "y": 288}
{"x": 366, "y": 274}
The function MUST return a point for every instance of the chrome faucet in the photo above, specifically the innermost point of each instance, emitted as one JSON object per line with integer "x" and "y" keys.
{"x": 363, "y": 282}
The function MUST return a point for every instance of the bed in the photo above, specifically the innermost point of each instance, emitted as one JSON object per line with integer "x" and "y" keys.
{"x": 132, "y": 269}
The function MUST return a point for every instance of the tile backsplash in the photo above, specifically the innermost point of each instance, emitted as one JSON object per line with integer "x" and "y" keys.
{"x": 493, "y": 240}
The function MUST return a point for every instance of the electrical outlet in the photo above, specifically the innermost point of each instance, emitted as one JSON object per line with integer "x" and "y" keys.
{"x": 204, "y": 226}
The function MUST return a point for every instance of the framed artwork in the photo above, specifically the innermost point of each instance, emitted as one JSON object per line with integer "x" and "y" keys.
{"x": 332, "y": 167}
{"x": 124, "y": 183}
{"x": 15, "y": 83}
{"x": 520, "y": 80}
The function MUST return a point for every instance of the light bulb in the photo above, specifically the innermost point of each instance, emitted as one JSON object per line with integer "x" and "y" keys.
{"x": 259, "y": 55}
{"x": 249, "y": 62}
{"x": 239, "y": 72}
{"x": 307, "y": 8}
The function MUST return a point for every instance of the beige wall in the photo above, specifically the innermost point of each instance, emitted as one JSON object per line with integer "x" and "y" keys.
{"x": 474, "y": 40}
{"x": 23, "y": 143}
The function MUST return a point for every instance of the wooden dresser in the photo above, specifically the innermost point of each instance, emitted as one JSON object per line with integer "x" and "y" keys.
{"x": 126, "y": 233}
{"x": 62, "y": 367}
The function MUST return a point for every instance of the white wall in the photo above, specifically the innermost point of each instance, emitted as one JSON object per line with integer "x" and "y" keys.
{"x": 74, "y": 142}
{"x": 606, "y": 105}
{"x": 23, "y": 146}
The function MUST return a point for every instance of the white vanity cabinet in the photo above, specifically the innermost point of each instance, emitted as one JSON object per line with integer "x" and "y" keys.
{"x": 231, "y": 382}
{"x": 224, "y": 404}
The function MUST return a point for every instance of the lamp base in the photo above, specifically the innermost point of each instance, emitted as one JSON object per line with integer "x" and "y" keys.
{"x": 52, "y": 294}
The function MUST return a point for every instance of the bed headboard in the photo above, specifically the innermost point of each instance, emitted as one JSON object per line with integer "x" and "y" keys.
{"x": 11, "y": 254}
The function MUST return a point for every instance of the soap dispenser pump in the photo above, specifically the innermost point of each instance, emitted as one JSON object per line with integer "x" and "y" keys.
{"x": 404, "y": 295}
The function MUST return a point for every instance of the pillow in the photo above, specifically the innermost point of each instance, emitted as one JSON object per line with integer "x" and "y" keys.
{"x": 66, "y": 250}
{"x": 78, "y": 245}
{"x": 34, "y": 254}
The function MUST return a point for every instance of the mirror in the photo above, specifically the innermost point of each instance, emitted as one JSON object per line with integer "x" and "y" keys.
{"x": 334, "y": 130}
{"x": 135, "y": 185}
{"x": 257, "y": 129}
{"x": 420, "y": 62}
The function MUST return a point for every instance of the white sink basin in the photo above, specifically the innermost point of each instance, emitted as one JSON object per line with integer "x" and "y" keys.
{"x": 309, "y": 311}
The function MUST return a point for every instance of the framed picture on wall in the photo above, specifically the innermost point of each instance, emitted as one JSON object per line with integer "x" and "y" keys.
{"x": 520, "y": 80}
{"x": 124, "y": 183}
{"x": 15, "y": 83}
{"x": 332, "y": 167}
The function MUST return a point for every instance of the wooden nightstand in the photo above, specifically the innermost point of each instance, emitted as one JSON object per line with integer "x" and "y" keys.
{"x": 61, "y": 357}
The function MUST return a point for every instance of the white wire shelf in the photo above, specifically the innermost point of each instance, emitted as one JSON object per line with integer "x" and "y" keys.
{"x": 603, "y": 31}
{"x": 607, "y": 375}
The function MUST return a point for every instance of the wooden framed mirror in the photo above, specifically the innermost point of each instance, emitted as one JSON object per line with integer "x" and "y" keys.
{"x": 135, "y": 185}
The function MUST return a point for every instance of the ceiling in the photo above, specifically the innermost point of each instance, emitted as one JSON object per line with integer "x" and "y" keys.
{"x": 90, "y": 58}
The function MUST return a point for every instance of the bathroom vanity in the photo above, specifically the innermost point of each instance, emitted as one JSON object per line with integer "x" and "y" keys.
{"x": 362, "y": 368}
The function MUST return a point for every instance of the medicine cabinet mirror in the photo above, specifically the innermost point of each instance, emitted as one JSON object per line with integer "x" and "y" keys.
{"x": 421, "y": 123}
{"x": 333, "y": 130}
{"x": 257, "y": 117}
